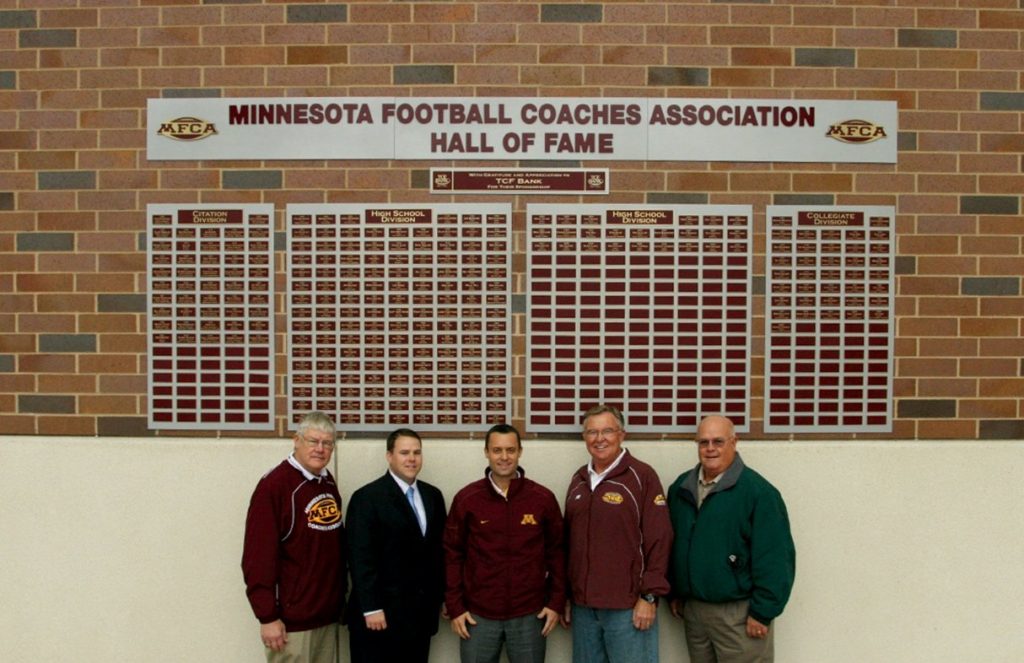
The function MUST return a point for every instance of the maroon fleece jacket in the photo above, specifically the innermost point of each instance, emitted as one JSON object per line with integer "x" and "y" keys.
{"x": 504, "y": 557}
{"x": 293, "y": 559}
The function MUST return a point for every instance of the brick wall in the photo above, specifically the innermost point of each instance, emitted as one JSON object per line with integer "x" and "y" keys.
{"x": 74, "y": 178}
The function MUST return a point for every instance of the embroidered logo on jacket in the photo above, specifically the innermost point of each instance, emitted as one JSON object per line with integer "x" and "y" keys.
{"x": 660, "y": 500}
{"x": 528, "y": 519}
{"x": 322, "y": 513}
{"x": 612, "y": 498}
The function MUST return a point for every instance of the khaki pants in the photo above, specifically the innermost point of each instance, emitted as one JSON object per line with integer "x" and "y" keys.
{"x": 717, "y": 633}
{"x": 317, "y": 646}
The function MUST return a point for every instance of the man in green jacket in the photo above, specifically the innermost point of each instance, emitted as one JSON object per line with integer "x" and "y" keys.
{"x": 733, "y": 559}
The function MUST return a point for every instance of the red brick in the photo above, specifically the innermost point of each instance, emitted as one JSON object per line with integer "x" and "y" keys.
{"x": 66, "y": 425}
{"x": 113, "y": 341}
{"x": 947, "y": 388}
{"x": 12, "y": 424}
{"x": 103, "y": 323}
{"x": 977, "y": 327}
{"x": 46, "y": 363}
{"x": 741, "y": 77}
{"x": 925, "y": 367}
{"x": 947, "y": 429}
{"x": 116, "y": 404}
{"x": 66, "y": 384}
{"x": 379, "y": 13}
{"x": 987, "y": 408}
{"x": 443, "y": 53}
{"x": 507, "y": 54}
{"x": 108, "y": 363}
{"x": 1001, "y": 387}
{"x": 445, "y": 13}
{"x": 1002, "y": 266}
{"x": 741, "y": 36}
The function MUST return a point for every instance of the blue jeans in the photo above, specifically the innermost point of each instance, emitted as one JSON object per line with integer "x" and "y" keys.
{"x": 608, "y": 636}
{"x": 520, "y": 635}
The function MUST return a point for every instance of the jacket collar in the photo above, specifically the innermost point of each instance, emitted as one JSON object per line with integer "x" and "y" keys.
{"x": 513, "y": 487}
{"x": 728, "y": 480}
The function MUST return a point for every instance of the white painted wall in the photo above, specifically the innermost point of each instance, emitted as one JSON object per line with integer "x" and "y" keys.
{"x": 128, "y": 550}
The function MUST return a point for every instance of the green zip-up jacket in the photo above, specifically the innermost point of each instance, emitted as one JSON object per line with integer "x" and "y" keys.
{"x": 736, "y": 546}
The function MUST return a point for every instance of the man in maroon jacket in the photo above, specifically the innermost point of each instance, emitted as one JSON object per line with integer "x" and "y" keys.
{"x": 619, "y": 539}
{"x": 294, "y": 553}
{"x": 504, "y": 557}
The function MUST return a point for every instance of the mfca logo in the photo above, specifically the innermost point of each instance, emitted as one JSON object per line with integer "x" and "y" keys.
{"x": 187, "y": 128}
{"x": 323, "y": 513}
{"x": 856, "y": 131}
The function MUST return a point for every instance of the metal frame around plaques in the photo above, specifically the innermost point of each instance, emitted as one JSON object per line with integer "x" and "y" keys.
{"x": 210, "y": 305}
{"x": 829, "y": 319}
{"x": 399, "y": 314}
{"x": 647, "y": 307}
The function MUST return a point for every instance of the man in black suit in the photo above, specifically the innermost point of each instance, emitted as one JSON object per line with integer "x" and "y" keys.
{"x": 395, "y": 527}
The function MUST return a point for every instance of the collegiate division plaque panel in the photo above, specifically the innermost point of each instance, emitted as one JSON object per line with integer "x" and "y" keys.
{"x": 211, "y": 289}
{"x": 398, "y": 315}
{"x": 829, "y": 318}
{"x": 643, "y": 307}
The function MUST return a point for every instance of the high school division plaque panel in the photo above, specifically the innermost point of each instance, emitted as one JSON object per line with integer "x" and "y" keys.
{"x": 210, "y": 317}
{"x": 399, "y": 315}
{"x": 830, "y": 323}
{"x": 642, "y": 307}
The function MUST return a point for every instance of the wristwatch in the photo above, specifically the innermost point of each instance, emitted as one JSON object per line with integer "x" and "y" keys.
{"x": 650, "y": 598}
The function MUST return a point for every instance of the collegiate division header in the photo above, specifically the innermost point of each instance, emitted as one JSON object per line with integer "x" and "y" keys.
{"x": 515, "y": 128}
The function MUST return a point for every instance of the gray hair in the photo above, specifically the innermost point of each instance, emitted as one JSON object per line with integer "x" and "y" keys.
{"x": 316, "y": 421}
{"x": 602, "y": 409}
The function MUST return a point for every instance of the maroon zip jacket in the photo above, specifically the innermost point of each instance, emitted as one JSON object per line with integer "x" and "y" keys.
{"x": 619, "y": 536}
{"x": 504, "y": 558}
{"x": 294, "y": 555}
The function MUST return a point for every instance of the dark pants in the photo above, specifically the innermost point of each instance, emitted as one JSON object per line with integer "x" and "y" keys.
{"x": 521, "y": 636}
{"x": 387, "y": 646}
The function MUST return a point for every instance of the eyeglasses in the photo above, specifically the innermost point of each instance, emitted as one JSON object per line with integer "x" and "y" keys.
{"x": 716, "y": 442}
{"x": 313, "y": 442}
{"x": 592, "y": 434}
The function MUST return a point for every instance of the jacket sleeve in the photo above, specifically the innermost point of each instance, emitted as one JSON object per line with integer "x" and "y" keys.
{"x": 362, "y": 557}
{"x": 454, "y": 558}
{"x": 554, "y": 555}
{"x": 772, "y": 558}
{"x": 260, "y": 556}
{"x": 656, "y": 529}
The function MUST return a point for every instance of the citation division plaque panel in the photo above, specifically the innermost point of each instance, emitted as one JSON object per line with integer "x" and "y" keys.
{"x": 399, "y": 315}
{"x": 829, "y": 319}
{"x": 210, "y": 317}
{"x": 643, "y": 307}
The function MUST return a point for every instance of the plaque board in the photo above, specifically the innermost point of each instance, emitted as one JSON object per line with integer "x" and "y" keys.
{"x": 399, "y": 315}
{"x": 210, "y": 279}
{"x": 829, "y": 319}
{"x": 551, "y": 181}
{"x": 643, "y": 307}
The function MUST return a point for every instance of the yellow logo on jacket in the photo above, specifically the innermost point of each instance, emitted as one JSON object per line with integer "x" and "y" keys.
{"x": 324, "y": 512}
{"x": 612, "y": 498}
{"x": 528, "y": 519}
{"x": 660, "y": 500}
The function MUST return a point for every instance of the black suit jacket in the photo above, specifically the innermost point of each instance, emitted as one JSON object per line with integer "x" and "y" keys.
{"x": 394, "y": 566}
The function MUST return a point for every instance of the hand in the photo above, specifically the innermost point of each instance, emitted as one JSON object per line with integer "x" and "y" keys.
{"x": 376, "y": 621}
{"x": 550, "y": 618}
{"x": 274, "y": 635}
{"x": 756, "y": 629}
{"x": 676, "y": 606}
{"x": 644, "y": 614}
{"x": 459, "y": 624}
{"x": 565, "y": 619}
